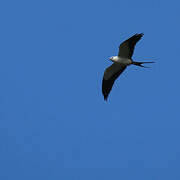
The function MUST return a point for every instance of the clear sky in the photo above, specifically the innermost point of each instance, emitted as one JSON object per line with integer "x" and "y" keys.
{"x": 54, "y": 122}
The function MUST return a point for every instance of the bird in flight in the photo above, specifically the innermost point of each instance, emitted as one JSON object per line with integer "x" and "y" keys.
{"x": 120, "y": 63}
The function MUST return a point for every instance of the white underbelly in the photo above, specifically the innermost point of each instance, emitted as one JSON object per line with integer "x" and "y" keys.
{"x": 125, "y": 61}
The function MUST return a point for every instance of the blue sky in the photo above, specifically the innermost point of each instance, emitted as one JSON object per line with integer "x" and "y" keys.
{"x": 54, "y": 123}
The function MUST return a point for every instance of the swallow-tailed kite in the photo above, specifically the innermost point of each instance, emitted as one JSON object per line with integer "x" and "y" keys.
{"x": 120, "y": 63}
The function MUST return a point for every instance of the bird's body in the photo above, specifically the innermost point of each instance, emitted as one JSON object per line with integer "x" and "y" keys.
{"x": 120, "y": 63}
{"x": 121, "y": 60}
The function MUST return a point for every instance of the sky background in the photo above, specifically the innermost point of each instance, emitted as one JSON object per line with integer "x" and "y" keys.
{"x": 54, "y": 122}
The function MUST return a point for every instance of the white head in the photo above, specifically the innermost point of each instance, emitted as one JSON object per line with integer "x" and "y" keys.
{"x": 111, "y": 58}
{"x": 114, "y": 58}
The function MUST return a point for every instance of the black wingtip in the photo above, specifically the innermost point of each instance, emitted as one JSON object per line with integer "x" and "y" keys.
{"x": 139, "y": 34}
{"x": 105, "y": 97}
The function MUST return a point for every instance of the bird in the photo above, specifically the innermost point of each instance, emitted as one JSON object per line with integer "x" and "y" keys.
{"x": 120, "y": 63}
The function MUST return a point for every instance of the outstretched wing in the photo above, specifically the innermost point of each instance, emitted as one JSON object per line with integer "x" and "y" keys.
{"x": 126, "y": 48}
{"x": 110, "y": 75}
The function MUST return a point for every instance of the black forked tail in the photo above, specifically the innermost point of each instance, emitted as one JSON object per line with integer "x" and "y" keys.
{"x": 140, "y": 63}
